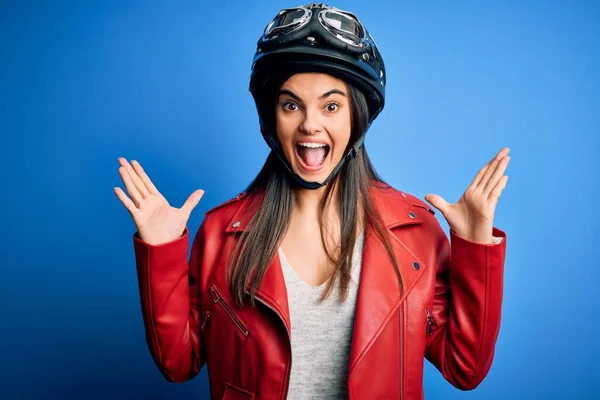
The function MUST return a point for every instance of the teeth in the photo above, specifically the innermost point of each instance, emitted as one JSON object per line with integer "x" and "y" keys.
{"x": 313, "y": 145}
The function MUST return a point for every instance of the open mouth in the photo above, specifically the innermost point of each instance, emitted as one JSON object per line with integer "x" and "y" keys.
{"x": 312, "y": 156}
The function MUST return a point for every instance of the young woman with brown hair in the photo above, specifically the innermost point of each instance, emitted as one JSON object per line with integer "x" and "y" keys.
{"x": 319, "y": 280}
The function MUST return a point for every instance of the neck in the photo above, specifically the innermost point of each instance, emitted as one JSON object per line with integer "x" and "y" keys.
{"x": 306, "y": 202}
{"x": 305, "y": 207}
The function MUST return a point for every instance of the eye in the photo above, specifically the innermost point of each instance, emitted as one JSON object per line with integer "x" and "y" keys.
{"x": 290, "y": 106}
{"x": 332, "y": 107}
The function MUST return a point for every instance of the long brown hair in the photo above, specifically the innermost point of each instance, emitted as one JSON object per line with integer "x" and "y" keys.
{"x": 259, "y": 243}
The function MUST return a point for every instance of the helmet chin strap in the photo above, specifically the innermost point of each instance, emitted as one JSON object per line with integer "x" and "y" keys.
{"x": 274, "y": 145}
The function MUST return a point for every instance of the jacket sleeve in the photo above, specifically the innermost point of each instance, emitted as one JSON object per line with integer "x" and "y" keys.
{"x": 465, "y": 315}
{"x": 170, "y": 302}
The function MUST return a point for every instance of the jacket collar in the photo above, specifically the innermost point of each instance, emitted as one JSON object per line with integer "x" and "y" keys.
{"x": 379, "y": 295}
{"x": 394, "y": 208}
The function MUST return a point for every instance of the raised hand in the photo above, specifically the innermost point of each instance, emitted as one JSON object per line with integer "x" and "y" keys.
{"x": 156, "y": 221}
{"x": 472, "y": 217}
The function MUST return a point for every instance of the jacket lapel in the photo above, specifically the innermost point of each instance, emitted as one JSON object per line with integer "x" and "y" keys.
{"x": 272, "y": 291}
{"x": 379, "y": 292}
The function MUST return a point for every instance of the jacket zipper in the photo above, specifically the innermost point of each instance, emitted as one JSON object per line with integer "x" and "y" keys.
{"x": 229, "y": 311}
{"x": 429, "y": 322}
{"x": 401, "y": 352}
{"x": 205, "y": 322}
{"x": 287, "y": 378}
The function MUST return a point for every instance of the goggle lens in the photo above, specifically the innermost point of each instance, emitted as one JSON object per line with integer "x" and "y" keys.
{"x": 287, "y": 19}
{"x": 344, "y": 25}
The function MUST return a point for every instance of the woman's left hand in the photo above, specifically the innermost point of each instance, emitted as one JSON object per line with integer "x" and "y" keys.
{"x": 472, "y": 217}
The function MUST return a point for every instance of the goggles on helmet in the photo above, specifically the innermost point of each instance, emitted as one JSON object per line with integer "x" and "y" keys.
{"x": 338, "y": 27}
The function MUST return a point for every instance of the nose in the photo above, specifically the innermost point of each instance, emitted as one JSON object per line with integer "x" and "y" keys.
{"x": 312, "y": 123}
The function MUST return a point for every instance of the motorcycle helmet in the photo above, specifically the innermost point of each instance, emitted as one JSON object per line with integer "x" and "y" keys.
{"x": 315, "y": 38}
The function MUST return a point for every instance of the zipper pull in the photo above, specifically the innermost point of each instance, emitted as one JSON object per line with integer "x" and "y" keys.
{"x": 215, "y": 294}
{"x": 206, "y": 317}
{"x": 429, "y": 322}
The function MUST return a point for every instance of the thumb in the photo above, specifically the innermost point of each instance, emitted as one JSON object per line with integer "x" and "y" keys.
{"x": 438, "y": 202}
{"x": 192, "y": 201}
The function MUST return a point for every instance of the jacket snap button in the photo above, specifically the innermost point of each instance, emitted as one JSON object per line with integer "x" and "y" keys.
{"x": 416, "y": 266}
{"x": 412, "y": 214}
{"x": 236, "y": 224}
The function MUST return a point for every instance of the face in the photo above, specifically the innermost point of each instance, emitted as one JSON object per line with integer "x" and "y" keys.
{"x": 313, "y": 123}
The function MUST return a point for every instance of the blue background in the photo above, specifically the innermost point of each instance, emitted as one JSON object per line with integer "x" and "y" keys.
{"x": 85, "y": 83}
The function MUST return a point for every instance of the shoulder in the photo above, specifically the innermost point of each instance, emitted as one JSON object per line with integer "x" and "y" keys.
{"x": 397, "y": 204}
{"x": 227, "y": 204}
{"x": 399, "y": 207}
{"x": 219, "y": 216}
{"x": 217, "y": 219}
{"x": 393, "y": 196}
{"x": 417, "y": 202}
{"x": 233, "y": 215}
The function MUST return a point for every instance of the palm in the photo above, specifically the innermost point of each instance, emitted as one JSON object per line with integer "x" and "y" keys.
{"x": 465, "y": 211}
{"x": 472, "y": 216}
{"x": 155, "y": 219}
{"x": 157, "y": 215}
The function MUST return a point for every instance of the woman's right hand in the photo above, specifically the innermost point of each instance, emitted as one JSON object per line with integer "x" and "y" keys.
{"x": 156, "y": 221}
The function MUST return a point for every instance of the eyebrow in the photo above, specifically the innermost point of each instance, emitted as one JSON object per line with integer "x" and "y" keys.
{"x": 323, "y": 96}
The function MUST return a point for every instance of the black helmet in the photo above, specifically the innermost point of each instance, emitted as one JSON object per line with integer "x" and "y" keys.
{"x": 315, "y": 38}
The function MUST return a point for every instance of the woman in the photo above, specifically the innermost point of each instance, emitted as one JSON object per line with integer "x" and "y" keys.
{"x": 320, "y": 280}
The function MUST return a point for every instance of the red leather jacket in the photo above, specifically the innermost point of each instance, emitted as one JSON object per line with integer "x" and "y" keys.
{"x": 449, "y": 312}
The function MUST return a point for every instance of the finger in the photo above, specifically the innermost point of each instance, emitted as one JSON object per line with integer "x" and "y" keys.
{"x": 497, "y": 191}
{"x": 135, "y": 178}
{"x": 438, "y": 202}
{"x": 137, "y": 167}
{"x": 491, "y": 168}
{"x": 129, "y": 205}
{"x": 131, "y": 189}
{"x": 481, "y": 174}
{"x": 503, "y": 151}
{"x": 498, "y": 173}
{"x": 192, "y": 201}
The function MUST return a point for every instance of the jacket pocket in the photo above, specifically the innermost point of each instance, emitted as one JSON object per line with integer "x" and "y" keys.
{"x": 233, "y": 392}
{"x": 219, "y": 300}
